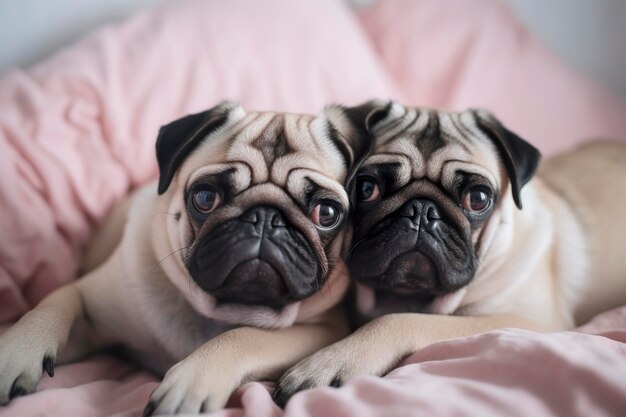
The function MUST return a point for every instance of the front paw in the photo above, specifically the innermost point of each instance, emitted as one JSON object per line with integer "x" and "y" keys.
{"x": 194, "y": 385}
{"x": 333, "y": 366}
{"x": 24, "y": 356}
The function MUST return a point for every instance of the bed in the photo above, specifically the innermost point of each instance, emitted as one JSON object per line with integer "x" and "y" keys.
{"x": 77, "y": 134}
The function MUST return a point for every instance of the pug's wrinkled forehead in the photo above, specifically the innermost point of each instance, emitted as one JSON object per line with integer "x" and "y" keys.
{"x": 288, "y": 154}
{"x": 446, "y": 147}
{"x": 420, "y": 143}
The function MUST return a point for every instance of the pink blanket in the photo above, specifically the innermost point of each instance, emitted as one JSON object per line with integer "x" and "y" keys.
{"x": 504, "y": 373}
{"x": 77, "y": 133}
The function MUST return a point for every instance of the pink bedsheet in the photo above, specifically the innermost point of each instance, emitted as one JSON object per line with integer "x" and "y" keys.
{"x": 77, "y": 133}
{"x": 503, "y": 373}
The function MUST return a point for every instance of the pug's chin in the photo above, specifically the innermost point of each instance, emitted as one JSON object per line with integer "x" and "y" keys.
{"x": 409, "y": 273}
{"x": 371, "y": 303}
{"x": 410, "y": 284}
{"x": 242, "y": 314}
{"x": 255, "y": 283}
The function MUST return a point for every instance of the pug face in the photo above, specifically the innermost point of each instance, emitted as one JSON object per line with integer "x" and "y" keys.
{"x": 424, "y": 202}
{"x": 259, "y": 210}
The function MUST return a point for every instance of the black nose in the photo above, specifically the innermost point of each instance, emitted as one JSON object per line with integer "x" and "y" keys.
{"x": 421, "y": 211}
{"x": 264, "y": 217}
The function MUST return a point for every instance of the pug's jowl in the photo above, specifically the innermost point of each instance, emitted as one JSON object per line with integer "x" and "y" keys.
{"x": 249, "y": 226}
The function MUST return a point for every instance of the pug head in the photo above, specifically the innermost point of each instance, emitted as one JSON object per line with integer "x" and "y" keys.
{"x": 257, "y": 210}
{"x": 424, "y": 202}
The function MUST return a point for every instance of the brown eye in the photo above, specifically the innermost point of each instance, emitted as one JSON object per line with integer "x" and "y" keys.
{"x": 326, "y": 214}
{"x": 476, "y": 200}
{"x": 206, "y": 200}
{"x": 367, "y": 190}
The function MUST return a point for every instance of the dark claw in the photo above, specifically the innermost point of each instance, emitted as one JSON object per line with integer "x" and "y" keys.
{"x": 147, "y": 412}
{"x": 16, "y": 391}
{"x": 48, "y": 366}
{"x": 280, "y": 397}
{"x": 336, "y": 383}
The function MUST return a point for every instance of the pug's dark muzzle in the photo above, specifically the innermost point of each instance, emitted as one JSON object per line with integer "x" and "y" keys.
{"x": 414, "y": 251}
{"x": 257, "y": 258}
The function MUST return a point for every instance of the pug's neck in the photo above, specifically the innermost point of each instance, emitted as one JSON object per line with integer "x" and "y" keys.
{"x": 521, "y": 270}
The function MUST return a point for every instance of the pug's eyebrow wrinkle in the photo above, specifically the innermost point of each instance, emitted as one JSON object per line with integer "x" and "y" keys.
{"x": 291, "y": 170}
{"x": 393, "y": 154}
{"x": 330, "y": 188}
{"x": 286, "y": 192}
{"x": 209, "y": 171}
{"x": 246, "y": 166}
{"x": 220, "y": 175}
{"x": 405, "y": 163}
{"x": 391, "y": 168}
{"x": 318, "y": 189}
{"x": 476, "y": 170}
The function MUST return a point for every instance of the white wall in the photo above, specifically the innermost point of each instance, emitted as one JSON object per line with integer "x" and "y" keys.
{"x": 32, "y": 29}
{"x": 588, "y": 34}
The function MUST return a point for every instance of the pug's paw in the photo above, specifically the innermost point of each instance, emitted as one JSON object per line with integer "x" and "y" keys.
{"x": 334, "y": 366}
{"x": 25, "y": 354}
{"x": 195, "y": 385}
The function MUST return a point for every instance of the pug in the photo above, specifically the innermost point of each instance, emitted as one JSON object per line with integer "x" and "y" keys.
{"x": 247, "y": 226}
{"x": 443, "y": 248}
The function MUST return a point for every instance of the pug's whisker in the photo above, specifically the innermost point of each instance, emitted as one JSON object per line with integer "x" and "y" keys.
{"x": 191, "y": 292}
{"x": 168, "y": 213}
{"x": 354, "y": 247}
{"x": 188, "y": 255}
{"x": 172, "y": 253}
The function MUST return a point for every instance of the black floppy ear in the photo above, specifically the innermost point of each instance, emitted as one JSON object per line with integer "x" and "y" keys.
{"x": 179, "y": 138}
{"x": 520, "y": 158}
